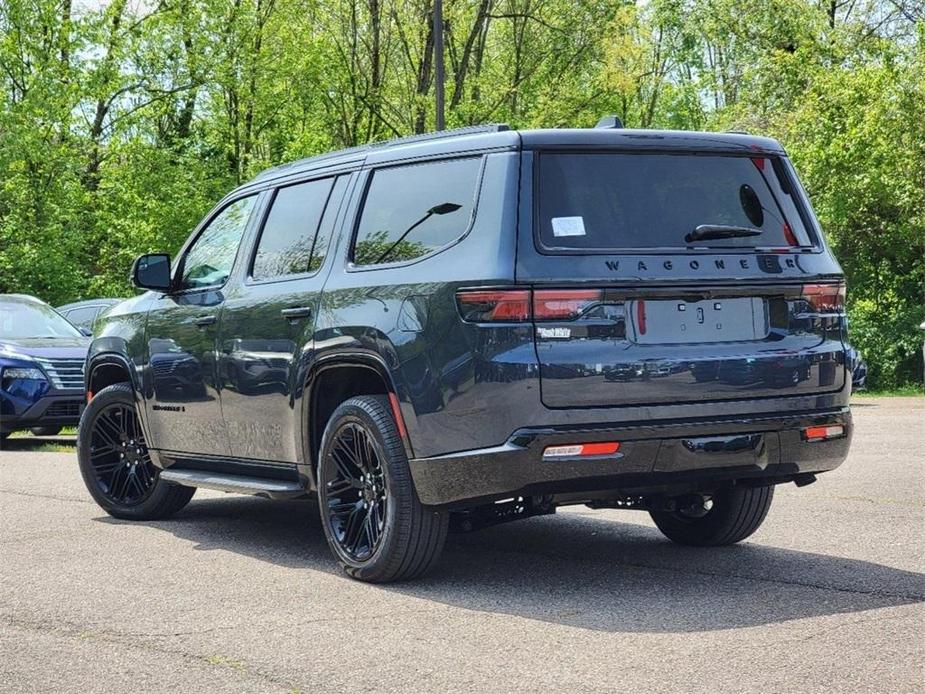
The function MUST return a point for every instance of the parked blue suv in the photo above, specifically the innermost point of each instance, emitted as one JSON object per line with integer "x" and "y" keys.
{"x": 41, "y": 367}
{"x": 469, "y": 327}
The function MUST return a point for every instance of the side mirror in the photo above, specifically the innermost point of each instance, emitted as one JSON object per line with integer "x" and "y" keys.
{"x": 86, "y": 332}
{"x": 152, "y": 271}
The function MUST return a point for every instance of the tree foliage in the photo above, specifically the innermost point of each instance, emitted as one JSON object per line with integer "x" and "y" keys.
{"x": 121, "y": 124}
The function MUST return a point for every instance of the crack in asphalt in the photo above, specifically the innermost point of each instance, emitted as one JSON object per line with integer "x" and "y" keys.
{"x": 53, "y": 497}
{"x": 116, "y": 639}
{"x": 813, "y": 635}
{"x": 136, "y": 640}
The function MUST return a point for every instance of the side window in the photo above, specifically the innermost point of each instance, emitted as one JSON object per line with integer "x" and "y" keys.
{"x": 82, "y": 317}
{"x": 289, "y": 233}
{"x": 209, "y": 260}
{"x": 412, "y": 210}
{"x": 320, "y": 248}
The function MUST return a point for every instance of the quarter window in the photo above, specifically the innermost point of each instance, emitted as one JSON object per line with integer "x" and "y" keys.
{"x": 209, "y": 260}
{"x": 413, "y": 210}
{"x": 288, "y": 239}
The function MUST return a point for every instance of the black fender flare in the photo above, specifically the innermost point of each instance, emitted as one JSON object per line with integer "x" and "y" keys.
{"x": 110, "y": 357}
{"x": 367, "y": 359}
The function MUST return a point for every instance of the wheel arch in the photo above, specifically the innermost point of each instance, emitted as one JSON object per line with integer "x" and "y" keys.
{"x": 107, "y": 368}
{"x": 104, "y": 369}
{"x": 336, "y": 378}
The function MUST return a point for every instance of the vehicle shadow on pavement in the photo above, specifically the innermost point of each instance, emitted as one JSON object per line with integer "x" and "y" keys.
{"x": 579, "y": 571}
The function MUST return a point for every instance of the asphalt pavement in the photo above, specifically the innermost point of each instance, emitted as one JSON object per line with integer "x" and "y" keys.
{"x": 241, "y": 594}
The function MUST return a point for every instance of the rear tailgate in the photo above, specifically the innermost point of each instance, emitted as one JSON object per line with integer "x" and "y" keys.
{"x": 663, "y": 345}
{"x": 666, "y": 278}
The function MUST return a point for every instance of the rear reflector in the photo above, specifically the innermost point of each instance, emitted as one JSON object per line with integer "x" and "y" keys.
{"x": 825, "y": 298}
{"x": 832, "y": 431}
{"x": 396, "y": 413}
{"x": 582, "y": 449}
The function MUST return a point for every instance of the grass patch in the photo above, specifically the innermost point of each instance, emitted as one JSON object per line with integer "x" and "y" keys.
{"x": 30, "y": 445}
{"x": 226, "y": 662}
{"x": 26, "y": 442}
{"x": 902, "y": 392}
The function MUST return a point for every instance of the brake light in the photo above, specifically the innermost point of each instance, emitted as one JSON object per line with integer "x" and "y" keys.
{"x": 825, "y": 298}
{"x": 823, "y": 433}
{"x": 581, "y": 450}
{"x": 641, "y": 316}
{"x": 790, "y": 236}
{"x": 563, "y": 304}
{"x": 504, "y": 305}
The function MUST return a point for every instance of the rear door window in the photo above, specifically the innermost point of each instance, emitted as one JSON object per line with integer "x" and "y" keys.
{"x": 610, "y": 202}
{"x": 289, "y": 234}
{"x": 414, "y": 210}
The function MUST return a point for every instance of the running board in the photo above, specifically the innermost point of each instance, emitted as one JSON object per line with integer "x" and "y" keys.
{"x": 237, "y": 484}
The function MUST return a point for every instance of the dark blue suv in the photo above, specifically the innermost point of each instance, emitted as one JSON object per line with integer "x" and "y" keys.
{"x": 41, "y": 367}
{"x": 459, "y": 329}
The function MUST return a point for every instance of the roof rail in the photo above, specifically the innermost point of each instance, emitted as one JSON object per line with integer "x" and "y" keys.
{"x": 385, "y": 144}
{"x": 441, "y": 134}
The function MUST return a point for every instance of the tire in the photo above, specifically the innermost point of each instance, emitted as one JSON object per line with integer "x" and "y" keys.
{"x": 736, "y": 513}
{"x": 110, "y": 434}
{"x": 45, "y": 431}
{"x": 372, "y": 518}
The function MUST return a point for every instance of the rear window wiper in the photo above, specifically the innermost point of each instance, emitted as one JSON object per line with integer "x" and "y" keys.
{"x": 706, "y": 232}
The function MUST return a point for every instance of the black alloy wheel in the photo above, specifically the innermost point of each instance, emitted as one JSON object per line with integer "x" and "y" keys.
{"x": 356, "y": 491}
{"x": 119, "y": 455}
{"x": 372, "y": 518}
{"x": 115, "y": 463}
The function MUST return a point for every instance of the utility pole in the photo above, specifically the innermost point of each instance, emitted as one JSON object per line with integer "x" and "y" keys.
{"x": 438, "y": 61}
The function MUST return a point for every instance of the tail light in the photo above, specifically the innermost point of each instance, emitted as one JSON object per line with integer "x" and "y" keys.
{"x": 518, "y": 305}
{"x": 501, "y": 305}
{"x": 563, "y": 304}
{"x": 825, "y": 298}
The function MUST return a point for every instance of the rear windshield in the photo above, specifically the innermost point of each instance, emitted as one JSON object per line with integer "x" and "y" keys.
{"x": 609, "y": 202}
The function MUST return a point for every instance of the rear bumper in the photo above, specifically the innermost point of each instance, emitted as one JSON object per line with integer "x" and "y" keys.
{"x": 652, "y": 459}
{"x": 51, "y": 410}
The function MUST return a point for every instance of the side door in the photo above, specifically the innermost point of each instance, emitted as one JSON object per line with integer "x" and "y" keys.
{"x": 267, "y": 322}
{"x": 183, "y": 408}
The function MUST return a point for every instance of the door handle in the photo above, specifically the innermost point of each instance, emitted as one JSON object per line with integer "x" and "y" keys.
{"x": 296, "y": 312}
{"x": 204, "y": 321}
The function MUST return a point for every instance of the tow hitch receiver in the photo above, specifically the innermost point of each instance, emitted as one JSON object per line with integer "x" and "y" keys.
{"x": 503, "y": 511}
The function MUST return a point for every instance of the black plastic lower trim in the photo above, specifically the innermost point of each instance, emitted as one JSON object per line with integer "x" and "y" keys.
{"x": 230, "y": 466}
{"x": 653, "y": 457}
